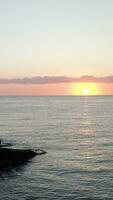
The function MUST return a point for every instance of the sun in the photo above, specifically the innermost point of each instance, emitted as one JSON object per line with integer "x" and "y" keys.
{"x": 86, "y": 89}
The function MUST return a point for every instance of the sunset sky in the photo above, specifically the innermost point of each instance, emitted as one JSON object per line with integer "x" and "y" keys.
{"x": 66, "y": 46}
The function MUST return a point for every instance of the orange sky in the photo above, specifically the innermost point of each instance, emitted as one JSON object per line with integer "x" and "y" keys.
{"x": 50, "y": 89}
{"x": 43, "y": 41}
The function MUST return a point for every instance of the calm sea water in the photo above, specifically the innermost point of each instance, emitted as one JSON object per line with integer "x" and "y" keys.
{"x": 76, "y": 132}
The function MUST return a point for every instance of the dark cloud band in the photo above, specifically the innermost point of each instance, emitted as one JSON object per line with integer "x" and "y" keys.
{"x": 56, "y": 79}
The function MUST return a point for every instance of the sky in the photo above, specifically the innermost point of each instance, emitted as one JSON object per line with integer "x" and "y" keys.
{"x": 55, "y": 38}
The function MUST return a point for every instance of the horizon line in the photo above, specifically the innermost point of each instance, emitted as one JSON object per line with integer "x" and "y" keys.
{"x": 97, "y": 95}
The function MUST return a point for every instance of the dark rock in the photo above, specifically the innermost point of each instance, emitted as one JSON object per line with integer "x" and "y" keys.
{"x": 10, "y": 157}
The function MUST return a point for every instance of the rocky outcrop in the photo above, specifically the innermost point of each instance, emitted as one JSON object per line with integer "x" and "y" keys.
{"x": 11, "y": 157}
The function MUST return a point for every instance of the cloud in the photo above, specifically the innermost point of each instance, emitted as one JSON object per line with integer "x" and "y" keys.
{"x": 56, "y": 80}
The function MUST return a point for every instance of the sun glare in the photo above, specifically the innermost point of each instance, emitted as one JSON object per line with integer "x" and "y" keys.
{"x": 86, "y": 89}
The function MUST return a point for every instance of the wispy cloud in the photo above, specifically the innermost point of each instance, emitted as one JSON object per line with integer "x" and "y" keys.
{"x": 56, "y": 79}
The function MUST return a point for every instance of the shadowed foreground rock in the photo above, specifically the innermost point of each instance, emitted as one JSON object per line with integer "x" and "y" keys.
{"x": 10, "y": 157}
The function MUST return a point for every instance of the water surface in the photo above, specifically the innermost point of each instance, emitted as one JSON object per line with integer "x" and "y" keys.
{"x": 77, "y": 133}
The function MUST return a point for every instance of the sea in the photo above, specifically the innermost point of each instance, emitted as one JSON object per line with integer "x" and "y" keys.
{"x": 76, "y": 132}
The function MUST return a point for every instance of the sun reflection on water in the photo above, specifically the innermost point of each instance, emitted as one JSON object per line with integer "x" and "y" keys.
{"x": 87, "y": 132}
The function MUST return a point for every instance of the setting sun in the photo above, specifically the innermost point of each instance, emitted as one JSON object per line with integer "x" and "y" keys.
{"x": 86, "y": 89}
